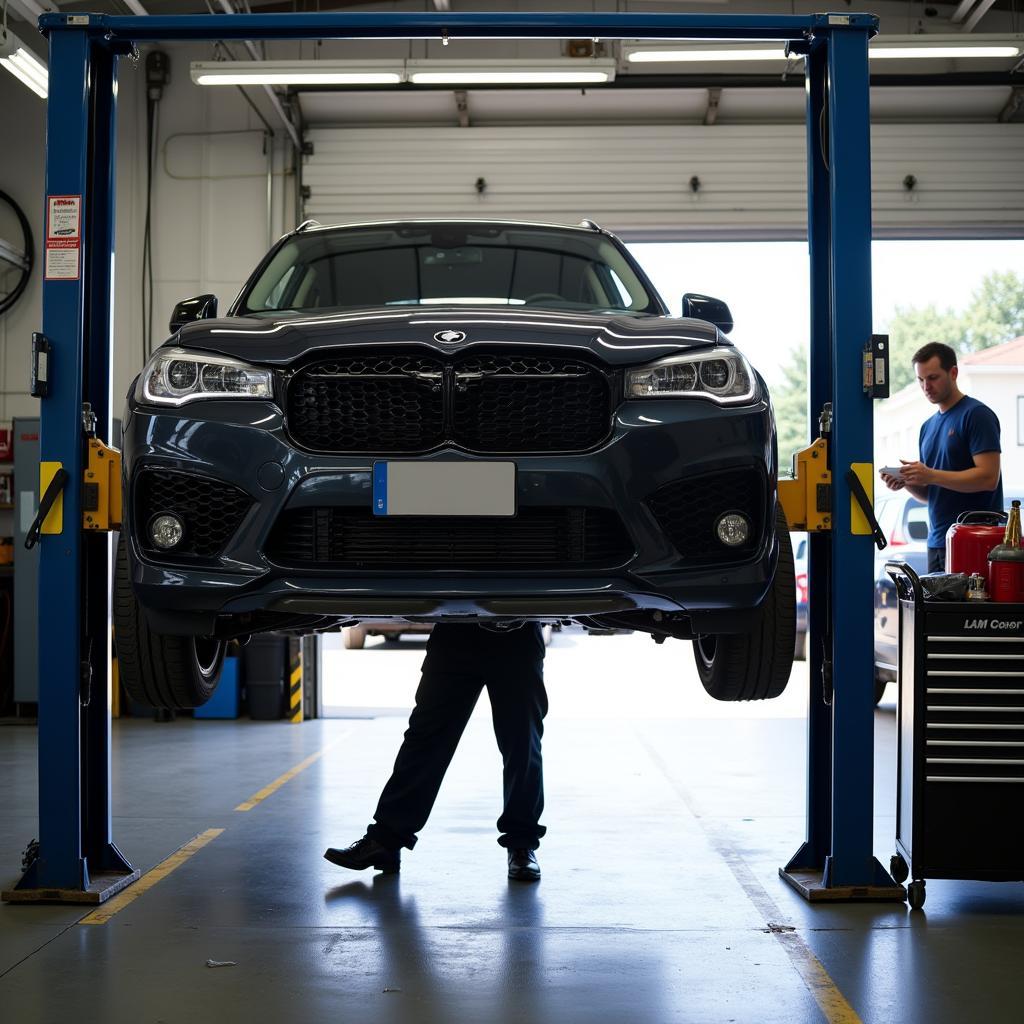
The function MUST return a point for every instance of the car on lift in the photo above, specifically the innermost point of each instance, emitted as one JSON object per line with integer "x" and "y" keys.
{"x": 450, "y": 420}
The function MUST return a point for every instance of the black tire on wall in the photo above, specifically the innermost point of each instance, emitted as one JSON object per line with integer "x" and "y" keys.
{"x": 755, "y": 665}
{"x": 172, "y": 672}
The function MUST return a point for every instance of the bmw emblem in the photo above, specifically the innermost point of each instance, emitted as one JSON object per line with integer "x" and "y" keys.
{"x": 450, "y": 337}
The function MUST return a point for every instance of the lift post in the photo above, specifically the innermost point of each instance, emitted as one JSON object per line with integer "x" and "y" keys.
{"x": 76, "y": 855}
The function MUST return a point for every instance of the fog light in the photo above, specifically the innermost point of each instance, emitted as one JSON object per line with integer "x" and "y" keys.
{"x": 733, "y": 529}
{"x": 166, "y": 531}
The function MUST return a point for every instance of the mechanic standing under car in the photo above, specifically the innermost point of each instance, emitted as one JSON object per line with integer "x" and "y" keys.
{"x": 959, "y": 446}
{"x": 461, "y": 660}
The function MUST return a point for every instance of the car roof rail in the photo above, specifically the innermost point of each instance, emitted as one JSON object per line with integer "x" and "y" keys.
{"x": 592, "y": 225}
{"x": 309, "y": 224}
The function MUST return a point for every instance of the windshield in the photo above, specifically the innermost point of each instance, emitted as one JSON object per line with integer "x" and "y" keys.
{"x": 461, "y": 264}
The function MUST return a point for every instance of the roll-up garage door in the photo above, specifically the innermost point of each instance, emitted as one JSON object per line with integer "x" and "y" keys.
{"x": 718, "y": 182}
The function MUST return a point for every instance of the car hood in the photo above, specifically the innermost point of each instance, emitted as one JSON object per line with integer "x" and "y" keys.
{"x": 283, "y": 338}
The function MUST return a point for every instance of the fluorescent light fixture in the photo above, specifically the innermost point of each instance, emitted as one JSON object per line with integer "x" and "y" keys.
{"x": 935, "y": 52}
{"x": 291, "y": 72}
{"x": 511, "y": 72}
{"x": 23, "y": 64}
{"x": 681, "y": 56}
{"x": 917, "y": 47}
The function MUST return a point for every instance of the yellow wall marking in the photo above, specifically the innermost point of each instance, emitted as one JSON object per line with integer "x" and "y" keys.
{"x": 816, "y": 979}
{"x": 104, "y": 913}
{"x": 266, "y": 791}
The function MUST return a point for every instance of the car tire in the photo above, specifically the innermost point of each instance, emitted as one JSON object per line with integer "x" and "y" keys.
{"x": 165, "y": 672}
{"x": 755, "y": 665}
{"x": 353, "y": 638}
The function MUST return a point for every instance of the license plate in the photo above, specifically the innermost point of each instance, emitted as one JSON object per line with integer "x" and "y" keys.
{"x": 444, "y": 488}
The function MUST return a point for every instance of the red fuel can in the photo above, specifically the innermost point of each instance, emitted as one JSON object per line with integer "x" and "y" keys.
{"x": 1006, "y": 579}
{"x": 971, "y": 538}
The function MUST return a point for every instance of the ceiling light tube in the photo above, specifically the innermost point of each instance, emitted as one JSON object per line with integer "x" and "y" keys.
{"x": 23, "y": 64}
{"x": 916, "y": 47}
{"x": 287, "y": 72}
{"x": 511, "y": 72}
{"x": 680, "y": 56}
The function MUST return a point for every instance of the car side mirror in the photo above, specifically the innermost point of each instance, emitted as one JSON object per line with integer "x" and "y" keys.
{"x": 704, "y": 307}
{"x": 202, "y": 307}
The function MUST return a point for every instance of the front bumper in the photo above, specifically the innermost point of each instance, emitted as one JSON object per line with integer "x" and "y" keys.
{"x": 653, "y": 443}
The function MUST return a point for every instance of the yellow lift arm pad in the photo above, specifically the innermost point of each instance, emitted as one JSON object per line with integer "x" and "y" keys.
{"x": 859, "y": 525}
{"x": 54, "y": 521}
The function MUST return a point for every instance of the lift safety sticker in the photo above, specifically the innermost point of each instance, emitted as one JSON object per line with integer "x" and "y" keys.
{"x": 63, "y": 238}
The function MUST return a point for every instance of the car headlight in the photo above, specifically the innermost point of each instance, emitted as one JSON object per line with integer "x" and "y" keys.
{"x": 174, "y": 376}
{"x": 721, "y": 374}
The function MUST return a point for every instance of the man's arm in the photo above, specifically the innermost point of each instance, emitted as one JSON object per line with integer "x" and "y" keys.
{"x": 982, "y": 476}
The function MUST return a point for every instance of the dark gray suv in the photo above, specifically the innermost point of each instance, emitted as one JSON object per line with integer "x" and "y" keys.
{"x": 469, "y": 421}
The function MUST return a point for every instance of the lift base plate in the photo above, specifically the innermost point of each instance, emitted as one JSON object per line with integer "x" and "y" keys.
{"x": 101, "y": 888}
{"x": 809, "y": 885}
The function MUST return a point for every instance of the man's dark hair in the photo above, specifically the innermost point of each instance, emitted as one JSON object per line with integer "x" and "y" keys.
{"x": 947, "y": 357}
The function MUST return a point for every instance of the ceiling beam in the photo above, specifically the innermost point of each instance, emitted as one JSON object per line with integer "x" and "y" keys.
{"x": 979, "y": 12}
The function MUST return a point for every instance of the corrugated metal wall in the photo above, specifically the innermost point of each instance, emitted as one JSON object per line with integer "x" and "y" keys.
{"x": 636, "y": 180}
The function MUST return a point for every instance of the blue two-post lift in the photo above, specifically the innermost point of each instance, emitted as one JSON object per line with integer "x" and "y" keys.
{"x": 76, "y": 859}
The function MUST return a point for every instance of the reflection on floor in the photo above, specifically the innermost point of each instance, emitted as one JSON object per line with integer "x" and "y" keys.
{"x": 660, "y": 899}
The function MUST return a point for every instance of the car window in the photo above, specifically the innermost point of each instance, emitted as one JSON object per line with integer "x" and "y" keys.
{"x": 917, "y": 522}
{"x": 450, "y": 264}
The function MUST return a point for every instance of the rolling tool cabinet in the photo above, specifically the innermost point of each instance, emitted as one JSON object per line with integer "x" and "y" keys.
{"x": 960, "y": 770}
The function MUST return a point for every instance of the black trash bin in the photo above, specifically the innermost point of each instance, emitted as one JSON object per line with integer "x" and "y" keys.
{"x": 265, "y": 658}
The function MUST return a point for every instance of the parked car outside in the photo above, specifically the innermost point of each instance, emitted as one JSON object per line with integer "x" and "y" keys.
{"x": 800, "y": 576}
{"x": 904, "y": 522}
{"x": 468, "y": 421}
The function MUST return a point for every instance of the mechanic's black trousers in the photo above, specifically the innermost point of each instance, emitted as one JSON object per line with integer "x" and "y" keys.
{"x": 461, "y": 660}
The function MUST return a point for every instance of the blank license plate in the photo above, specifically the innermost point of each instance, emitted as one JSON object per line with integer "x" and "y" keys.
{"x": 444, "y": 488}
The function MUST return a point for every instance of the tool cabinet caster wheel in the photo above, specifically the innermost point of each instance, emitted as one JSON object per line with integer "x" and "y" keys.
{"x": 898, "y": 868}
{"x": 916, "y": 894}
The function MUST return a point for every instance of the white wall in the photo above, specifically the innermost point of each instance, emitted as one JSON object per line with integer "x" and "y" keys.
{"x": 209, "y": 223}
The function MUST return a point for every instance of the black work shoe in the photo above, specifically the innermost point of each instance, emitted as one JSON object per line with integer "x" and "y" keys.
{"x": 365, "y": 853}
{"x": 523, "y": 866}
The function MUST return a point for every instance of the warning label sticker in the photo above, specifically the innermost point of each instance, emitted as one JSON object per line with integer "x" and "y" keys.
{"x": 63, "y": 238}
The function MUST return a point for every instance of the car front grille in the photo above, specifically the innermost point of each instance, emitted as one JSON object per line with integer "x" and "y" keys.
{"x": 481, "y": 403}
{"x": 688, "y": 509}
{"x": 537, "y": 538}
{"x": 210, "y": 510}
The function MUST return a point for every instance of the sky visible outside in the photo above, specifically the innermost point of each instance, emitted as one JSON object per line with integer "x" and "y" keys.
{"x": 766, "y": 283}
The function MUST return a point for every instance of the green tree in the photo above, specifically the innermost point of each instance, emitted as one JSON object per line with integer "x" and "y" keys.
{"x": 790, "y": 402}
{"x": 911, "y": 328}
{"x": 996, "y": 312}
{"x": 993, "y": 315}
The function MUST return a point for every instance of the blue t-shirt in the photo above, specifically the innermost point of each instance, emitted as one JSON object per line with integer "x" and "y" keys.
{"x": 950, "y": 440}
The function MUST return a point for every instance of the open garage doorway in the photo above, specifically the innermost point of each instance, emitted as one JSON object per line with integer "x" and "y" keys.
{"x": 923, "y": 291}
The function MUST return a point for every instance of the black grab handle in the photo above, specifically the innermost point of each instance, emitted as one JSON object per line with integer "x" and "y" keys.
{"x": 865, "y": 506}
{"x": 53, "y": 489}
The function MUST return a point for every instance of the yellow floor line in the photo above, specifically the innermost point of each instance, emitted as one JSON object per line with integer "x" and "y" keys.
{"x": 274, "y": 786}
{"x": 830, "y": 1000}
{"x": 105, "y": 912}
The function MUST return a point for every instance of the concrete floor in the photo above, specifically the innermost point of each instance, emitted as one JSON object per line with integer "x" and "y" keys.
{"x": 660, "y": 886}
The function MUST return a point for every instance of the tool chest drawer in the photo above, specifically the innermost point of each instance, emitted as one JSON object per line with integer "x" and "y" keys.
{"x": 960, "y": 798}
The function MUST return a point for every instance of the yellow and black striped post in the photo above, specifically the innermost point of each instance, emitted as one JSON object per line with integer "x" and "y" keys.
{"x": 294, "y": 680}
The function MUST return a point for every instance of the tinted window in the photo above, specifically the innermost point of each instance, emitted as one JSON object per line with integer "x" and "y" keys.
{"x": 451, "y": 263}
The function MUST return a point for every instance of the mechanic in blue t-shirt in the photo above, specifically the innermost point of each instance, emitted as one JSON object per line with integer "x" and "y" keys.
{"x": 959, "y": 447}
